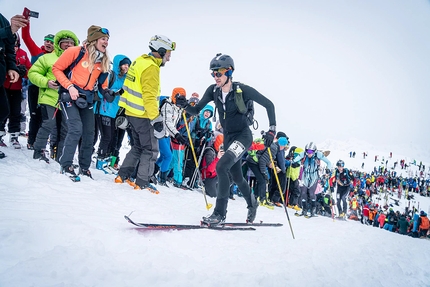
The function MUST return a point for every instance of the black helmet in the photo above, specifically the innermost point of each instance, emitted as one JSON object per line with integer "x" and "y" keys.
{"x": 340, "y": 163}
{"x": 221, "y": 61}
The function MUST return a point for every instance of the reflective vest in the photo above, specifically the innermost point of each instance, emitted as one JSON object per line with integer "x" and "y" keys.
{"x": 142, "y": 101}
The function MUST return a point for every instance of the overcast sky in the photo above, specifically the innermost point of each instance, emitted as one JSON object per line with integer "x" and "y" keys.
{"x": 334, "y": 69}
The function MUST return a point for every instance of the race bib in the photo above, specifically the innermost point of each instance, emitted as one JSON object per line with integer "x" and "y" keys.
{"x": 237, "y": 148}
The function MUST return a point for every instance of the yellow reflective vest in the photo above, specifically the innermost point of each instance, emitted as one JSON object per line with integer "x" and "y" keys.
{"x": 142, "y": 88}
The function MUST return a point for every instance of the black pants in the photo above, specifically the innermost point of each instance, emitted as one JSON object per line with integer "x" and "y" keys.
{"x": 342, "y": 192}
{"x": 260, "y": 185}
{"x": 274, "y": 194}
{"x": 35, "y": 113}
{"x": 235, "y": 145}
{"x": 80, "y": 128}
{"x": 294, "y": 192}
{"x": 14, "y": 98}
{"x": 4, "y": 107}
{"x": 107, "y": 131}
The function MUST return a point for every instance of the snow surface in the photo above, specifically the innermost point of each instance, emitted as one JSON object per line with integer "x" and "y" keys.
{"x": 54, "y": 232}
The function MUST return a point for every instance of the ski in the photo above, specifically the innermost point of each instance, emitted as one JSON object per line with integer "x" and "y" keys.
{"x": 75, "y": 178}
{"x": 340, "y": 218}
{"x": 155, "y": 226}
{"x": 262, "y": 224}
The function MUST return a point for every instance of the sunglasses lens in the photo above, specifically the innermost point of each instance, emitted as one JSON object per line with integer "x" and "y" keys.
{"x": 173, "y": 46}
{"x": 309, "y": 151}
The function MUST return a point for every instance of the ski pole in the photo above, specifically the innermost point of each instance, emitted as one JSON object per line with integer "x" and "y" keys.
{"x": 280, "y": 190}
{"x": 208, "y": 205}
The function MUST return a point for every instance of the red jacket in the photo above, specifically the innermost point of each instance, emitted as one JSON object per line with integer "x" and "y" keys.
{"x": 366, "y": 210}
{"x": 21, "y": 59}
{"x": 31, "y": 45}
{"x": 209, "y": 170}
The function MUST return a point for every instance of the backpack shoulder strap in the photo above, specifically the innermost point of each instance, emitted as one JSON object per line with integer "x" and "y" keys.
{"x": 75, "y": 62}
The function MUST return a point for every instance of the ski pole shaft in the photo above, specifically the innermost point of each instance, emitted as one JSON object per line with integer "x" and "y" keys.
{"x": 280, "y": 191}
{"x": 208, "y": 205}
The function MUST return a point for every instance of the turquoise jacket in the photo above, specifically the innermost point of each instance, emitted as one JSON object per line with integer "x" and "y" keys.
{"x": 111, "y": 109}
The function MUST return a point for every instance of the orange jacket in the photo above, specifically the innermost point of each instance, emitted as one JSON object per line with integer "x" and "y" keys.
{"x": 81, "y": 75}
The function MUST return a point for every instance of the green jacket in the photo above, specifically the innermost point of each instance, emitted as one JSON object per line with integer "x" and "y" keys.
{"x": 41, "y": 71}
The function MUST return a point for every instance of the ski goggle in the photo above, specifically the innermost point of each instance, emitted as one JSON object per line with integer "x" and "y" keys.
{"x": 219, "y": 73}
{"x": 310, "y": 151}
{"x": 341, "y": 164}
{"x": 102, "y": 30}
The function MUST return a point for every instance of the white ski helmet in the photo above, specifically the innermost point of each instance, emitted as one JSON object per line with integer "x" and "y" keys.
{"x": 311, "y": 146}
{"x": 161, "y": 44}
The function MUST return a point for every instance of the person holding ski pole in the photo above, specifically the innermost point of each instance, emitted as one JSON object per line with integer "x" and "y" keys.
{"x": 234, "y": 102}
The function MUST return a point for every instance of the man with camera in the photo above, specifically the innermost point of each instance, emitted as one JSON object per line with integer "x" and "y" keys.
{"x": 14, "y": 95}
{"x": 8, "y": 63}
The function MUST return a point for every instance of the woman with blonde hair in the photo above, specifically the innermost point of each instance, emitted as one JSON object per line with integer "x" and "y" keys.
{"x": 77, "y": 70}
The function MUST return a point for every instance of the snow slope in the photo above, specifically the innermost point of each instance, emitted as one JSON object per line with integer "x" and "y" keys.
{"x": 54, "y": 232}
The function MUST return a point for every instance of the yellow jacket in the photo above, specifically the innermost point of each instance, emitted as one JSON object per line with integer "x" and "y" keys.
{"x": 142, "y": 88}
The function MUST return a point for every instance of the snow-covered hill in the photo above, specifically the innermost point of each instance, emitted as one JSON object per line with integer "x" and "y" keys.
{"x": 54, "y": 232}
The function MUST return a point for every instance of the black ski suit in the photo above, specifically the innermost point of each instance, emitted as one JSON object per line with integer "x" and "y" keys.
{"x": 237, "y": 138}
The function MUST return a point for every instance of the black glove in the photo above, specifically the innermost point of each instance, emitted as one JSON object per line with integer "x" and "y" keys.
{"x": 295, "y": 164}
{"x": 22, "y": 70}
{"x": 120, "y": 92}
{"x": 180, "y": 139}
{"x": 181, "y": 102}
{"x": 158, "y": 126}
{"x": 109, "y": 95}
{"x": 268, "y": 137}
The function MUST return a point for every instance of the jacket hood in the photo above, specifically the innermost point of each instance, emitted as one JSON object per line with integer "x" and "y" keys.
{"x": 207, "y": 108}
{"x": 116, "y": 60}
{"x": 63, "y": 34}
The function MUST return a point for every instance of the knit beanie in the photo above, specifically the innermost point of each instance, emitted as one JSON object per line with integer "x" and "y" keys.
{"x": 125, "y": 61}
{"x": 95, "y": 33}
{"x": 49, "y": 37}
{"x": 218, "y": 141}
{"x": 281, "y": 134}
{"x": 282, "y": 141}
{"x": 176, "y": 91}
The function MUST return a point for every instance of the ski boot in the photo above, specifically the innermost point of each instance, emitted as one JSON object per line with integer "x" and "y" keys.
{"x": 2, "y": 143}
{"x": 252, "y": 209}
{"x": 14, "y": 140}
{"x": 85, "y": 172}
{"x": 40, "y": 155}
{"x": 70, "y": 172}
{"x": 163, "y": 178}
{"x": 146, "y": 186}
{"x": 213, "y": 220}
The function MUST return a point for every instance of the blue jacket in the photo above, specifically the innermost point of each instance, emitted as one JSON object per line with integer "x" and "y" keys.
{"x": 111, "y": 109}
{"x": 311, "y": 167}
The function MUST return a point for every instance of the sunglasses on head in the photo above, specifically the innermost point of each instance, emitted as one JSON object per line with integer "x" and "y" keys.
{"x": 310, "y": 151}
{"x": 219, "y": 73}
{"x": 102, "y": 30}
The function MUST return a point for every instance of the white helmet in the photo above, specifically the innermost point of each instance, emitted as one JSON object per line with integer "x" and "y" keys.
{"x": 311, "y": 146}
{"x": 161, "y": 44}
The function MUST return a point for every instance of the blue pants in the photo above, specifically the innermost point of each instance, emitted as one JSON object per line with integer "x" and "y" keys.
{"x": 165, "y": 157}
{"x": 177, "y": 164}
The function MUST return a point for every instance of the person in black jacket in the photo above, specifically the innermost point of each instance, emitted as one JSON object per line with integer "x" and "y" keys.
{"x": 237, "y": 135}
{"x": 7, "y": 60}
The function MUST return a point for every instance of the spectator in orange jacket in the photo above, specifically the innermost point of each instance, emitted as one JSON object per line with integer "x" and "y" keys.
{"x": 78, "y": 96}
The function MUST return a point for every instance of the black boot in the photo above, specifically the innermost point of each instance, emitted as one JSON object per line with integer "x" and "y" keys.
{"x": 313, "y": 209}
{"x": 219, "y": 214}
{"x": 252, "y": 209}
{"x": 304, "y": 208}
{"x": 40, "y": 155}
{"x": 163, "y": 178}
